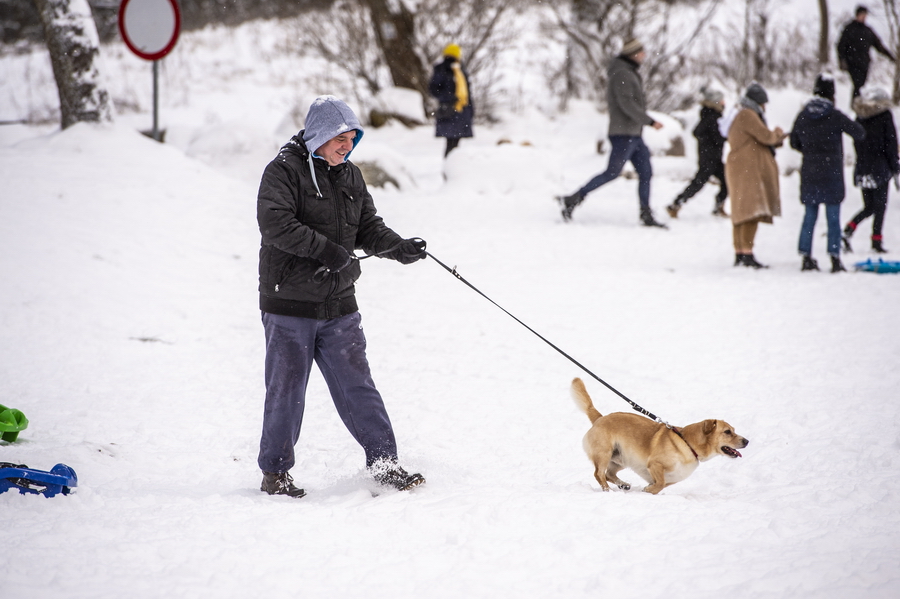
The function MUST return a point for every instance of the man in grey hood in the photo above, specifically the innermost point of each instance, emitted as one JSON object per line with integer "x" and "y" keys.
{"x": 314, "y": 210}
{"x": 627, "y": 118}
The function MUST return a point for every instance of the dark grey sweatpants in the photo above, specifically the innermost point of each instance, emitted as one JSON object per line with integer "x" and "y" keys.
{"x": 338, "y": 347}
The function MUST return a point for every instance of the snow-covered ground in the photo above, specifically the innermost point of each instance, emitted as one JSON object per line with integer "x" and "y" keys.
{"x": 130, "y": 337}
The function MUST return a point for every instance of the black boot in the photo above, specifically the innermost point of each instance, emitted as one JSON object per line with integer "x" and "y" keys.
{"x": 648, "y": 221}
{"x": 720, "y": 210}
{"x": 845, "y": 237}
{"x": 750, "y": 262}
{"x": 877, "y": 247}
{"x": 738, "y": 259}
{"x": 280, "y": 483}
{"x": 836, "y": 265}
{"x": 569, "y": 202}
{"x": 809, "y": 263}
{"x": 389, "y": 474}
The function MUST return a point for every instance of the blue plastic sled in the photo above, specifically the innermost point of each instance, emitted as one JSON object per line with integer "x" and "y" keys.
{"x": 879, "y": 267}
{"x": 60, "y": 479}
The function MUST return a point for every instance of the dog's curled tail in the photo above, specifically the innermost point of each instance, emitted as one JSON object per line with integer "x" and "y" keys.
{"x": 583, "y": 400}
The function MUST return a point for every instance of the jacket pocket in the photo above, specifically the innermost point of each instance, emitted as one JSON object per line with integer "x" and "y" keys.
{"x": 316, "y": 210}
{"x": 352, "y": 207}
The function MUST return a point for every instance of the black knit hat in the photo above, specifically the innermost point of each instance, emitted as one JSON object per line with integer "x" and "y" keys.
{"x": 756, "y": 93}
{"x": 824, "y": 86}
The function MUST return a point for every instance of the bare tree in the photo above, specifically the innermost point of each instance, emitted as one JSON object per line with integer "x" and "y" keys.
{"x": 762, "y": 49}
{"x": 395, "y": 30}
{"x": 823, "y": 32}
{"x": 74, "y": 46}
{"x": 892, "y": 14}
{"x": 357, "y": 53}
{"x": 387, "y": 42}
{"x": 595, "y": 30}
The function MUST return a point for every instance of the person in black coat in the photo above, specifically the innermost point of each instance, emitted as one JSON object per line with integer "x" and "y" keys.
{"x": 709, "y": 154}
{"x": 853, "y": 48}
{"x": 450, "y": 86}
{"x": 314, "y": 210}
{"x": 817, "y": 134}
{"x": 876, "y": 161}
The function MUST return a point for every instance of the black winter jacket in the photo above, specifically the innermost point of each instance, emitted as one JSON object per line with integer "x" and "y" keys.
{"x": 817, "y": 134}
{"x": 295, "y": 221}
{"x": 876, "y": 155}
{"x": 854, "y": 43}
{"x": 709, "y": 141}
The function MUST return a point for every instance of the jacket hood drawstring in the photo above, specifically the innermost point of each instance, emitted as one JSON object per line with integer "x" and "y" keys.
{"x": 312, "y": 171}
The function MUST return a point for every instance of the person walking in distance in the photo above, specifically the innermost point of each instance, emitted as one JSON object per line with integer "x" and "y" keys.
{"x": 627, "y": 118}
{"x": 853, "y": 48}
{"x": 450, "y": 86}
{"x": 876, "y": 162}
{"x": 313, "y": 210}
{"x": 817, "y": 133}
{"x": 710, "y": 144}
{"x": 752, "y": 173}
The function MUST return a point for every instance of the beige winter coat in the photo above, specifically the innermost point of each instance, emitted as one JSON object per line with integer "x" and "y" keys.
{"x": 751, "y": 171}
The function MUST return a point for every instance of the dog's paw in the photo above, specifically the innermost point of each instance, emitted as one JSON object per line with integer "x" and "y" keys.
{"x": 624, "y": 486}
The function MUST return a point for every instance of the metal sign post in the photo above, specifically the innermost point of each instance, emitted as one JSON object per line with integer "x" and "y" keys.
{"x": 150, "y": 29}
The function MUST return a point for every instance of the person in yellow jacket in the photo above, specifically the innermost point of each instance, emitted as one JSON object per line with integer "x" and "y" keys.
{"x": 450, "y": 86}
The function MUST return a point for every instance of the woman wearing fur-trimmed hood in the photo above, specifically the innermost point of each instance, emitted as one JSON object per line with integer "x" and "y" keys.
{"x": 876, "y": 161}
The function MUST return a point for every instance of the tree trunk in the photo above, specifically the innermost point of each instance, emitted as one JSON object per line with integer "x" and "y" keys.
{"x": 823, "y": 32}
{"x": 74, "y": 45}
{"x": 395, "y": 33}
{"x": 892, "y": 15}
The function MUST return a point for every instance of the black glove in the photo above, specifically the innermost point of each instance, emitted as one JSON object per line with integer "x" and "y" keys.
{"x": 410, "y": 250}
{"x": 334, "y": 257}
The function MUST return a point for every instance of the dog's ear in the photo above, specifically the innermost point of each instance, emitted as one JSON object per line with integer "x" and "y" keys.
{"x": 709, "y": 427}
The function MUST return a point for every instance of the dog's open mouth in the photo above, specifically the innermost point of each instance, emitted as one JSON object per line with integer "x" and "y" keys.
{"x": 731, "y": 453}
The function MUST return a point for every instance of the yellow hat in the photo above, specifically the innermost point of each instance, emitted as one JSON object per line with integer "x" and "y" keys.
{"x": 453, "y": 50}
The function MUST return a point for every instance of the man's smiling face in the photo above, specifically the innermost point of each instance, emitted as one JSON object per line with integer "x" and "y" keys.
{"x": 335, "y": 150}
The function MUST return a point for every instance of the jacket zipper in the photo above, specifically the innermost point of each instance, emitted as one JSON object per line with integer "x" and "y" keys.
{"x": 339, "y": 241}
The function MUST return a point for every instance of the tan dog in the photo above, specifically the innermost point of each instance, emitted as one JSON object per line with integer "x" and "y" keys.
{"x": 660, "y": 455}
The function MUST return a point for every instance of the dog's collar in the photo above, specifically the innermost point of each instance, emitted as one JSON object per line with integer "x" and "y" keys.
{"x": 677, "y": 431}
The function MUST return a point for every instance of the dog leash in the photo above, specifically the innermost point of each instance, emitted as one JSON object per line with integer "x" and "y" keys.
{"x": 633, "y": 404}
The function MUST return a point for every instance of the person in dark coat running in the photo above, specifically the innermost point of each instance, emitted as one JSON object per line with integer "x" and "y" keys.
{"x": 853, "y": 48}
{"x": 817, "y": 134}
{"x": 627, "y": 118}
{"x": 313, "y": 210}
{"x": 450, "y": 86}
{"x": 710, "y": 144}
{"x": 876, "y": 161}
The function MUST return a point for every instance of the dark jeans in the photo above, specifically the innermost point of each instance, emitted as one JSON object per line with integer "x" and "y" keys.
{"x": 703, "y": 174}
{"x": 875, "y": 202}
{"x": 625, "y": 148}
{"x": 832, "y": 217}
{"x": 338, "y": 347}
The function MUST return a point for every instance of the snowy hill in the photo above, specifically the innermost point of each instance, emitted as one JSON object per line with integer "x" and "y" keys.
{"x": 131, "y": 339}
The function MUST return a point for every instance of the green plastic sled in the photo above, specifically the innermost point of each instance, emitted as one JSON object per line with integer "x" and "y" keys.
{"x": 11, "y": 422}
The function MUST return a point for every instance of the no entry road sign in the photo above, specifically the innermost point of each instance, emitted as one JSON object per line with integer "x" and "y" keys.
{"x": 149, "y": 27}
